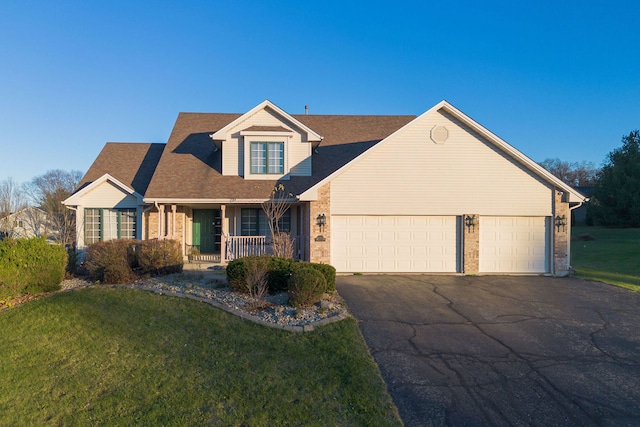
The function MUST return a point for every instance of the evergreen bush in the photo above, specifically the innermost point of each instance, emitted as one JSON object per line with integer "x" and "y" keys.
{"x": 306, "y": 286}
{"x": 278, "y": 272}
{"x": 237, "y": 274}
{"x": 329, "y": 273}
{"x": 31, "y": 265}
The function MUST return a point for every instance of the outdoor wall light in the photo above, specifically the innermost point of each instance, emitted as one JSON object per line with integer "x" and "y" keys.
{"x": 471, "y": 221}
{"x": 561, "y": 222}
{"x": 321, "y": 220}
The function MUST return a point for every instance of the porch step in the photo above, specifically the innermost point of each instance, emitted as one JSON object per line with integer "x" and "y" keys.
{"x": 205, "y": 258}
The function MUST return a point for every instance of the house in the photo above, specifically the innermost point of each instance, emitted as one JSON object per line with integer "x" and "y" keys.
{"x": 437, "y": 193}
{"x": 27, "y": 222}
{"x": 580, "y": 215}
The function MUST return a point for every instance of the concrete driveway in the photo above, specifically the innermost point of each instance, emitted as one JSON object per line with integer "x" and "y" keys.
{"x": 502, "y": 350}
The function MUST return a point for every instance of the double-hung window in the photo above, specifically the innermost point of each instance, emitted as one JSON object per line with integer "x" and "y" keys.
{"x": 255, "y": 222}
{"x": 106, "y": 224}
{"x": 267, "y": 157}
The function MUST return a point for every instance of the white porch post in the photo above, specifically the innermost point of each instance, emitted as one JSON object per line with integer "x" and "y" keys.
{"x": 225, "y": 232}
{"x": 160, "y": 222}
{"x": 173, "y": 221}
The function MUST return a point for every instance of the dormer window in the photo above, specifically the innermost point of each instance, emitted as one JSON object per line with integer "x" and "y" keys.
{"x": 267, "y": 158}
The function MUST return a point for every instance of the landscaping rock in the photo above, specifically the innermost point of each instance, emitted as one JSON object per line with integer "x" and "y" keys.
{"x": 273, "y": 310}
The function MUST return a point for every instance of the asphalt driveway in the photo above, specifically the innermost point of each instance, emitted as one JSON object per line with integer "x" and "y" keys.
{"x": 502, "y": 350}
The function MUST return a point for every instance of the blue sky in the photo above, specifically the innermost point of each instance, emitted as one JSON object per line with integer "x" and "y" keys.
{"x": 554, "y": 79}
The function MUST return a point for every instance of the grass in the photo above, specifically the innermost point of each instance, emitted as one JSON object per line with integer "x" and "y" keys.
{"x": 613, "y": 257}
{"x": 115, "y": 356}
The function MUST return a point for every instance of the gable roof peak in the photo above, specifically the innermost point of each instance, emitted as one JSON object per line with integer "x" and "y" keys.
{"x": 221, "y": 134}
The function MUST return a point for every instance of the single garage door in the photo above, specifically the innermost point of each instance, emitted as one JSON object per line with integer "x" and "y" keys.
{"x": 402, "y": 244}
{"x": 514, "y": 245}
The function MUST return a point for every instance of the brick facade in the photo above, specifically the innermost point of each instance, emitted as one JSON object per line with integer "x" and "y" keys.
{"x": 150, "y": 224}
{"x": 561, "y": 235}
{"x": 320, "y": 240}
{"x": 471, "y": 245}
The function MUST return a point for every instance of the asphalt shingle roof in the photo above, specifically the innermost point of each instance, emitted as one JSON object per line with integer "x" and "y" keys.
{"x": 190, "y": 166}
{"x": 131, "y": 163}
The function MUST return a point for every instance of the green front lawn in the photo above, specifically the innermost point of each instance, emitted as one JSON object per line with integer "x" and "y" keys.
{"x": 613, "y": 257}
{"x": 115, "y": 356}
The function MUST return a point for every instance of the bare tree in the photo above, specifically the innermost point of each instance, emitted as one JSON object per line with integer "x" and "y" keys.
{"x": 275, "y": 208}
{"x": 12, "y": 199}
{"x": 48, "y": 191}
{"x": 578, "y": 174}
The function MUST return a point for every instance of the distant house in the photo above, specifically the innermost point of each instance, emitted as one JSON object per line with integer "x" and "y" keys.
{"x": 580, "y": 214}
{"x": 27, "y": 222}
{"x": 372, "y": 194}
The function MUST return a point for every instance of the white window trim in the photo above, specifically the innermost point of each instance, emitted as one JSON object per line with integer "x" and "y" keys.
{"x": 266, "y": 137}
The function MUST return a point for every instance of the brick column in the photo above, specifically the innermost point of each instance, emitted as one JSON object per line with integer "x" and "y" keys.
{"x": 320, "y": 240}
{"x": 471, "y": 245}
{"x": 561, "y": 236}
{"x": 151, "y": 224}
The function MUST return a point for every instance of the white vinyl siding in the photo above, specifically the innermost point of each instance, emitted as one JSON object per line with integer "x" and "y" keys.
{"x": 514, "y": 245}
{"x": 400, "y": 244}
{"x": 108, "y": 194}
{"x": 410, "y": 174}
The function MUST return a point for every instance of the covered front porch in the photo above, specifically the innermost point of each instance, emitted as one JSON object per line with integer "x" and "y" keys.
{"x": 219, "y": 233}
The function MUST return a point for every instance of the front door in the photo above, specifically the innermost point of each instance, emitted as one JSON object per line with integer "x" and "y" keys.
{"x": 206, "y": 230}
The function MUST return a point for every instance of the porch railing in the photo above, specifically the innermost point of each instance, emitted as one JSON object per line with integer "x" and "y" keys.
{"x": 241, "y": 246}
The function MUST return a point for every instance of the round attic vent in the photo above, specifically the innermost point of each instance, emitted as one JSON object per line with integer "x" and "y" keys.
{"x": 439, "y": 134}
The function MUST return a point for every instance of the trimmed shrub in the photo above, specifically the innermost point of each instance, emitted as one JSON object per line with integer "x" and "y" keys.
{"x": 111, "y": 261}
{"x": 306, "y": 286}
{"x": 329, "y": 273}
{"x": 158, "y": 257}
{"x": 237, "y": 274}
{"x": 278, "y": 272}
{"x": 121, "y": 260}
{"x": 31, "y": 265}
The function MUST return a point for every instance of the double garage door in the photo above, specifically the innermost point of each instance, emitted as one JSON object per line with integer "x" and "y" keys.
{"x": 383, "y": 244}
{"x": 432, "y": 244}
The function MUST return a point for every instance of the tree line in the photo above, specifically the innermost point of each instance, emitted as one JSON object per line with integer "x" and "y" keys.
{"x": 615, "y": 199}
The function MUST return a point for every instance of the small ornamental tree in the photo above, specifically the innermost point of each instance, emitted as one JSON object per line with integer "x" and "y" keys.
{"x": 275, "y": 208}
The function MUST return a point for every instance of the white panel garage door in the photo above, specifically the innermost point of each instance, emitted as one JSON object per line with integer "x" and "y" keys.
{"x": 403, "y": 244}
{"x": 514, "y": 245}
